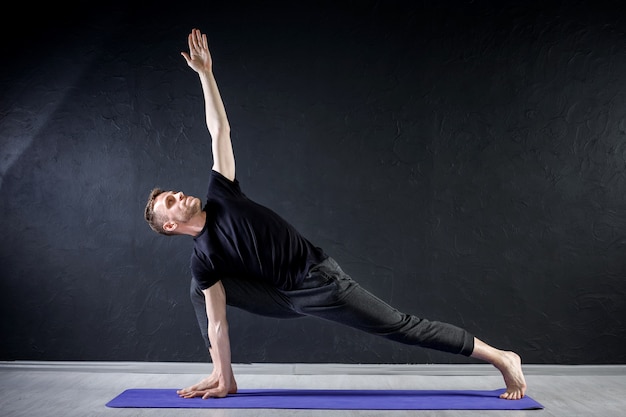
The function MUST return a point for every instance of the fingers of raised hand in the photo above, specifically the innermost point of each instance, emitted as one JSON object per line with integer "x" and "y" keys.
{"x": 198, "y": 43}
{"x": 198, "y": 36}
{"x": 199, "y": 40}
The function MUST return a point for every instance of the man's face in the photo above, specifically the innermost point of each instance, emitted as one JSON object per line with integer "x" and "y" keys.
{"x": 176, "y": 206}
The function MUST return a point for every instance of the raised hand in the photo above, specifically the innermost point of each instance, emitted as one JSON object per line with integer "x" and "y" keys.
{"x": 199, "y": 57}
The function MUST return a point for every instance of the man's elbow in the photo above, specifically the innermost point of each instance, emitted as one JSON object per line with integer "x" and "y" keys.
{"x": 218, "y": 129}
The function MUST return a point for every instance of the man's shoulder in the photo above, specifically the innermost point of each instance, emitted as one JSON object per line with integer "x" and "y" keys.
{"x": 202, "y": 269}
{"x": 222, "y": 187}
{"x": 201, "y": 258}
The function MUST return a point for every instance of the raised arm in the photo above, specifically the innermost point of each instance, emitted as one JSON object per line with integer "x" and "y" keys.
{"x": 221, "y": 382}
{"x": 199, "y": 59}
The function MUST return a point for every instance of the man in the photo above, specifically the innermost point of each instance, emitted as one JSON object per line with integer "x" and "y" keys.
{"x": 247, "y": 256}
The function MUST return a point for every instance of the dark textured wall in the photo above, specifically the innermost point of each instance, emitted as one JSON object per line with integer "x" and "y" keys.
{"x": 465, "y": 161}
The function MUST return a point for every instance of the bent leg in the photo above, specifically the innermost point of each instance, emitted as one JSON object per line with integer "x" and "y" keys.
{"x": 252, "y": 296}
{"x": 199, "y": 308}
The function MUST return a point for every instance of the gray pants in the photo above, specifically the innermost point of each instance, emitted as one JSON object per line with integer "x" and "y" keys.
{"x": 329, "y": 293}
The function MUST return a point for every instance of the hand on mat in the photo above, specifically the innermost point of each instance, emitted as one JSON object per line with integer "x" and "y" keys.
{"x": 210, "y": 387}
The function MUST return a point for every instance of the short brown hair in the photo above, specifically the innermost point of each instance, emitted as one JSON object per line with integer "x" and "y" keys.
{"x": 155, "y": 221}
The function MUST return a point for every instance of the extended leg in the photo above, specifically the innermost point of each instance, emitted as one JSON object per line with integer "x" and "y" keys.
{"x": 329, "y": 293}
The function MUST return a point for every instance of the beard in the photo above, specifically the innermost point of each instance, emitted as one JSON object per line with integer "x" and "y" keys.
{"x": 191, "y": 208}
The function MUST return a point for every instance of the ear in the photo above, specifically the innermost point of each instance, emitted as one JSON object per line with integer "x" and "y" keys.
{"x": 169, "y": 226}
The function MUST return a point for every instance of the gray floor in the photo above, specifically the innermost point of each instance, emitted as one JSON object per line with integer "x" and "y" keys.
{"x": 83, "y": 388}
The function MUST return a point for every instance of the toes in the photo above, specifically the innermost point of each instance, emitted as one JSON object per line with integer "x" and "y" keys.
{"x": 513, "y": 395}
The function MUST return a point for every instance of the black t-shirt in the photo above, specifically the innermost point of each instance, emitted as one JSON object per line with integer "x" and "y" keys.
{"x": 243, "y": 239}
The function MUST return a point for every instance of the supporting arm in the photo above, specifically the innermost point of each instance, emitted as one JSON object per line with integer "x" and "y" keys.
{"x": 221, "y": 382}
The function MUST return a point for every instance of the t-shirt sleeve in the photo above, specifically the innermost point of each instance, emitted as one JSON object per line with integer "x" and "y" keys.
{"x": 201, "y": 272}
{"x": 222, "y": 187}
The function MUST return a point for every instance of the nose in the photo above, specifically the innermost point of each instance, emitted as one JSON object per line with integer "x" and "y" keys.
{"x": 181, "y": 195}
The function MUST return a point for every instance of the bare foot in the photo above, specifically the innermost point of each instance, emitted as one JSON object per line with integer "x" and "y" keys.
{"x": 508, "y": 363}
{"x": 511, "y": 368}
{"x": 208, "y": 387}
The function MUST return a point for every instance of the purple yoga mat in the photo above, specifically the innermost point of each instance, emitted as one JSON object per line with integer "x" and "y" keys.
{"x": 313, "y": 399}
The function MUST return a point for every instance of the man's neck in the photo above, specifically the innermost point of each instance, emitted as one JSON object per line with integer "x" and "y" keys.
{"x": 194, "y": 226}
